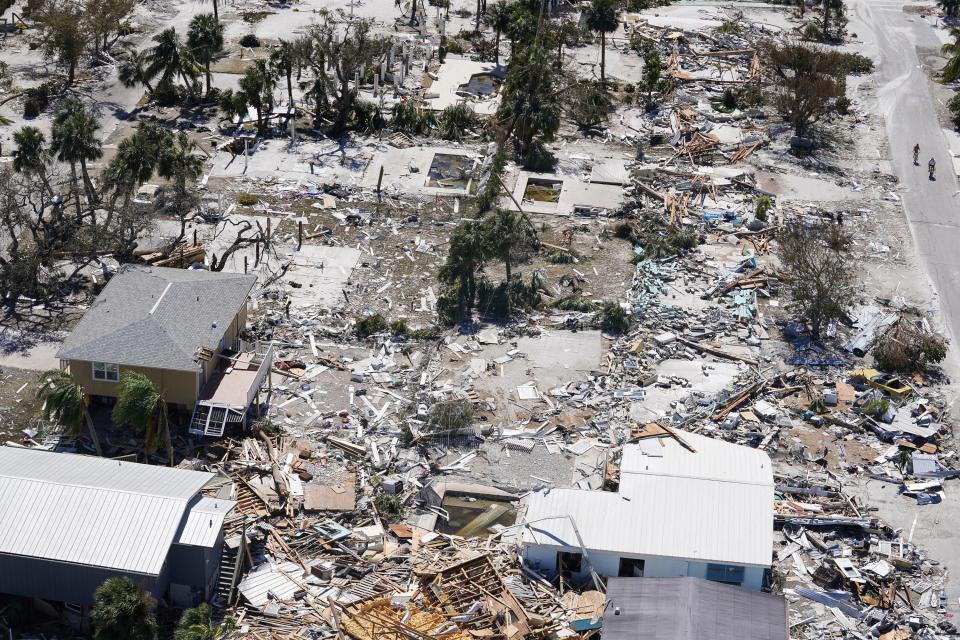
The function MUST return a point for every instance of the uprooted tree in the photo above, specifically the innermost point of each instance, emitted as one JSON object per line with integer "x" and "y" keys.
{"x": 822, "y": 279}
{"x": 909, "y": 347}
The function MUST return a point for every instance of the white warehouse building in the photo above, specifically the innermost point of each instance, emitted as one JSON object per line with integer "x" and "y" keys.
{"x": 706, "y": 513}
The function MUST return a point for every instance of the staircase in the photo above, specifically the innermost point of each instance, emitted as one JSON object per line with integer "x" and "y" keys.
{"x": 230, "y": 567}
{"x": 212, "y": 420}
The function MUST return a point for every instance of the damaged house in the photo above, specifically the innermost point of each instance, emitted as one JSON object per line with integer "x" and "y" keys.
{"x": 68, "y": 522}
{"x": 693, "y": 507}
{"x": 181, "y": 329}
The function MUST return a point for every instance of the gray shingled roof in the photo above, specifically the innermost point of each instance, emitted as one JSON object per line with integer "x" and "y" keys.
{"x": 157, "y": 317}
{"x": 690, "y": 609}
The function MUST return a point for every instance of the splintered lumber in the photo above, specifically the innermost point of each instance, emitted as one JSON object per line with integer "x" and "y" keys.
{"x": 347, "y": 446}
{"x": 742, "y": 397}
{"x": 249, "y": 499}
{"x": 676, "y": 436}
{"x": 743, "y": 152}
{"x": 717, "y": 352}
{"x": 650, "y": 190}
{"x": 728, "y": 52}
{"x": 749, "y": 277}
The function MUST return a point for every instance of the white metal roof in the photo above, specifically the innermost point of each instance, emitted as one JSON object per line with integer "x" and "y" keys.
{"x": 280, "y": 579}
{"x": 91, "y": 511}
{"x": 202, "y": 525}
{"x": 715, "y": 505}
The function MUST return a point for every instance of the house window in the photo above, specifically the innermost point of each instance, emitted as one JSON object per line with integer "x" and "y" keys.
{"x": 726, "y": 573}
{"x": 630, "y": 568}
{"x": 569, "y": 563}
{"x": 106, "y": 371}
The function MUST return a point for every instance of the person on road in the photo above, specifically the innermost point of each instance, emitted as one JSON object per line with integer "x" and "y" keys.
{"x": 931, "y": 167}
{"x": 916, "y": 155}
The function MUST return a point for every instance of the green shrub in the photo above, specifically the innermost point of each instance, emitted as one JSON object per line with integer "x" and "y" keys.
{"x": 411, "y": 119}
{"x": 613, "y": 318}
{"x": 370, "y": 325}
{"x": 813, "y": 32}
{"x": 853, "y": 63}
{"x": 247, "y": 199}
{"x": 575, "y": 303}
{"x": 456, "y": 121}
{"x": 450, "y": 416}
{"x": 36, "y": 99}
{"x": 388, "y": 506}
{"x": 367, "y": 117}
{"x": 761, "y": 206}
{"x": 729, "y": 99}
{"x": 877, "y": 408}
{"x": 954, "y": 106}
{"x": 399, "y": 328}
{"x": 538, "y": 158}
{"x": 730, "y": 27}
{"x": 842, "y": 105}
{"x": 425, "y": 333}
{"x": 250, "y": 40}
{"x": 31, "y": 107}
{"x": 751, "y": 96}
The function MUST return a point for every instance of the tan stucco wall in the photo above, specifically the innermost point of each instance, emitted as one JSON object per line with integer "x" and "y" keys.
{"x": 178, "y": 387}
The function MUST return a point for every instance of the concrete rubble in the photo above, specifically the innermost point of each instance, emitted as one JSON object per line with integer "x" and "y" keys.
{"x": 379, "y": 486}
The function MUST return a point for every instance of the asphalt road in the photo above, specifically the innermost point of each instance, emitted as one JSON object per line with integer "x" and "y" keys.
{"x": 933, "y": 211}
{"x": 905, "y": 100}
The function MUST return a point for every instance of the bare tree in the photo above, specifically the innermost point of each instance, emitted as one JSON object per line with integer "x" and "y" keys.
{"x": 822, "y": 277}
{"x": 247, "y": 236}
{"x": 804, "y": 81}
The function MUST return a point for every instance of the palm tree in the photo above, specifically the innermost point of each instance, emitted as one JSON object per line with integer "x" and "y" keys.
{"x": 74, "y": 140}
{"x": 141, "y": 406}
{"x": 170, "y": 59}
{"x": 257, "y": 86}
{"x": 510, "y": 237}
{"x": 498, "y": 18}
{"x": 216, "y": 12}
{"x": 123, "y": 610}
{"x": 137, "y": 158}
{"x": 177, "y": 162}
{"x": 951, "y": 71}
{"x": 602, "y": 18}
{"x": 65, "y": 403}
{"x": 467, "y": 252}
{"x": 30, "y": 156}
{"x": 205, "y": 40}
{"x": 233, "y": 104}
{"x": 283, "y": 60}
{"x": 133, "y": 71}
{"x": 198, "y": 624}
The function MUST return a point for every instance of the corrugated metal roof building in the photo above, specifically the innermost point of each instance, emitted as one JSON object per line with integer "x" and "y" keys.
{"x": 707, "y": 513}
{"x": 68, "y": 522}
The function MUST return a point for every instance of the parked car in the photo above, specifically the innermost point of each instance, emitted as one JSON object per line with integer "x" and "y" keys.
{"x": 149, "y": 198}
{"x": 890, "y": 385}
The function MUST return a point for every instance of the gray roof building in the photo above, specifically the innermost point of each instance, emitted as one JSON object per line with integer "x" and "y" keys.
{"x": 68, "y": 522}
{"x": 690, "y": 609}
{"x": 157, "y": 317}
